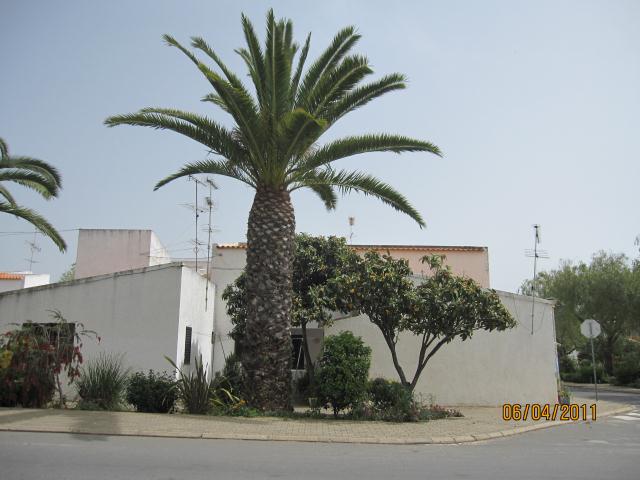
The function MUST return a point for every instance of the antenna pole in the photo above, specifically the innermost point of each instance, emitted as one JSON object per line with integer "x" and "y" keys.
{"x": 209, "y": 200}
{"x": 535, "y": 265}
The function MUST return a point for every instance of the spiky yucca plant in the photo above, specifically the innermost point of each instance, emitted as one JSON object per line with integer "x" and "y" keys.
{"x": 36, "y": 175}
{"x": 273, "y": 147}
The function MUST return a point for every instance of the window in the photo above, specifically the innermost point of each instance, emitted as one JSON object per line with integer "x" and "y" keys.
{"x": 187, "y": 346}
{"x": 297, "y": 352}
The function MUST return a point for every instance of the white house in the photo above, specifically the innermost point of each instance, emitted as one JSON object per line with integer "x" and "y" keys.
{"x": 142, "y": 304}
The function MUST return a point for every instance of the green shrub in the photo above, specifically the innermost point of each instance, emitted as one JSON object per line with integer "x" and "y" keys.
{"x": 103, "y": 382}
{"x": 626, "y": 368}
{"x": 584, "y": 374}
{"x": 27, "y": 370}
{"x": 193, "y": 388}
{"x": 152, "y": 393}
{"x": 232, "y": 378}
{"x": 391, "y": 401}
{"x": 343, "y": 370}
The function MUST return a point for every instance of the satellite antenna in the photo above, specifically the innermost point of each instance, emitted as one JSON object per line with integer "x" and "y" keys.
{"x": 535, "y": 253}
{"x": 352, "y": 222}
{"x": 34, "y": 247}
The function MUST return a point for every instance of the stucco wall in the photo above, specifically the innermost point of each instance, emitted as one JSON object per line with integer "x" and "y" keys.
{"x": 472, "y": 262}
{"x": 135, "y": 312}
{"x": 491, "y": 368}
{"x": 227, "y": 265}
{"x": 197, "y": 314}
{"x": 108, "y": 251}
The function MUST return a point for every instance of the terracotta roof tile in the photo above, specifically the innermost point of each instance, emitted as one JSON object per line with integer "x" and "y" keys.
{"x": 440, "y": 248}
{"x": 11, "y": 276}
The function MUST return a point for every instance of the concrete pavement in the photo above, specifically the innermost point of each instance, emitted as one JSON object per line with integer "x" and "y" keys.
{"x": 478, "y": 423}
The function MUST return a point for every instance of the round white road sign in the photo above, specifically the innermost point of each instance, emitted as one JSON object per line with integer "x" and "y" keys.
{"x": 590, "y": 328}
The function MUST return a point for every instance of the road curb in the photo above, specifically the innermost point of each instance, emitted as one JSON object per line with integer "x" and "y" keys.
{"x": 436, "y": 440}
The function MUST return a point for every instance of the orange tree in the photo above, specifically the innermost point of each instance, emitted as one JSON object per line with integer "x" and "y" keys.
{"x": 438, "y": 309}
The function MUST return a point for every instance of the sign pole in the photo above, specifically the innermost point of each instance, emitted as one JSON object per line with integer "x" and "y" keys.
{"x": 593, "y": 361}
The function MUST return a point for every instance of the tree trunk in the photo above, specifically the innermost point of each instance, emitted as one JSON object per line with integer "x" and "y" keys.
{"x": 269, "y": 268}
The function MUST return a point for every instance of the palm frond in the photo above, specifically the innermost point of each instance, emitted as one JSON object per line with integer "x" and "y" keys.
{"x": 198, "y": 128}
{"x": 326, "y": 194}
{"x": 216, "y": 100}
{"x": 333, "y": 85}
{"x": 360, "y": 182}
{"x": 212, "y": 167}
{"x": 7, "y": 195}
{"x": 362, "y": 95}
{"x": 4, "y": 149}
{"x": 33, "y": 164}
{"x": 355, "y": 145}
{"x": 341, "y": 44}
{"x": 36, "y": 220}
{"x": 255, "y": 59}
{"x": 42, "y": 184}
{"x": 296, "y": 76}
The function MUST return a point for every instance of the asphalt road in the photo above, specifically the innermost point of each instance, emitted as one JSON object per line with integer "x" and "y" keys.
{"x": 606, "y": 449}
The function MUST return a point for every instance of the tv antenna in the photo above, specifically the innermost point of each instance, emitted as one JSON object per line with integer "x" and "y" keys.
{"x": 209, "y": 201}
{"x": 34, "y": 247}
{"x": 352, "y": 222}
{"x": 197, "y": 211}
{"x": 536, "y": 254}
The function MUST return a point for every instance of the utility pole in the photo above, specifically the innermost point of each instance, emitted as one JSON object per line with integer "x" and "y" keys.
{"x": 535, "y": 253}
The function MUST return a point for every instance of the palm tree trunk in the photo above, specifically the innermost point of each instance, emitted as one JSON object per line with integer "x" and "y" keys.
{"x": 270, "y": 249}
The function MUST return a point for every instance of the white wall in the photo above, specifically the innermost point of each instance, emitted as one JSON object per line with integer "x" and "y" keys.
{"x": 36, "y": 279}
{"x": 108, "y": 251}
{"x": 227, "y": 265}
{"x": 490, "y": 368}
{"x": 137, "y": 312}
{"x": 28, "y": 280}
{"x": 198, "y": 314}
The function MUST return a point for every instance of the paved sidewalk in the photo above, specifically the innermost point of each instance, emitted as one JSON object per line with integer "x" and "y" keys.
{"x": 478, "y": 423}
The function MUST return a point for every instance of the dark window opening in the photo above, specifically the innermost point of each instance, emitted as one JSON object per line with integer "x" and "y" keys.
{"x": 297, "y": 352}
{"x": 187, "y": 346}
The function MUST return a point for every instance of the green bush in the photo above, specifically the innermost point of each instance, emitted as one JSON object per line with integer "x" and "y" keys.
{"x": 27, "y": 370}
{"x": 343, "y": 370}
{"x": 102, "y": 383}
{"x": 152, "y": 393}
{"x": 584, "y": 374}
{"x": 232, "y": 378}
{"x": 626, "y": 368}
{"x": 391, "y": 401}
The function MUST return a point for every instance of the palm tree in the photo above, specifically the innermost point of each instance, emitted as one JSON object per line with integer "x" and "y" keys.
{"x": 36, "y": 175}
{"x": 273, "y": 148}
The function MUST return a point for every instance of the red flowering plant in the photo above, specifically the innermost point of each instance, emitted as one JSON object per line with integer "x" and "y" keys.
{"x": 33, "y": 356}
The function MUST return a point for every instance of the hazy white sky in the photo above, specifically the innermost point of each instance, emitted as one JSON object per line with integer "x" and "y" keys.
{"x": 534, "y": 104}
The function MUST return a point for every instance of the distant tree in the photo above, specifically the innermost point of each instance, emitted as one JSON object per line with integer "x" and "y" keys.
{"x": 317, "y": 260}
{"x": 607, "y": 290}
{"x": 36, "y": 175}
{"x": 439, "y": 309}
{"x": 69, "y": 274}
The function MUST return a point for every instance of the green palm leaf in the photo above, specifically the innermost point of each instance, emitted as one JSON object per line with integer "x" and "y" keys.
{"x": 36, "y": 220}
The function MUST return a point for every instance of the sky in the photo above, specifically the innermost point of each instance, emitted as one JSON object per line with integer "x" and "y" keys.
{"x": 534, "y": 105}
